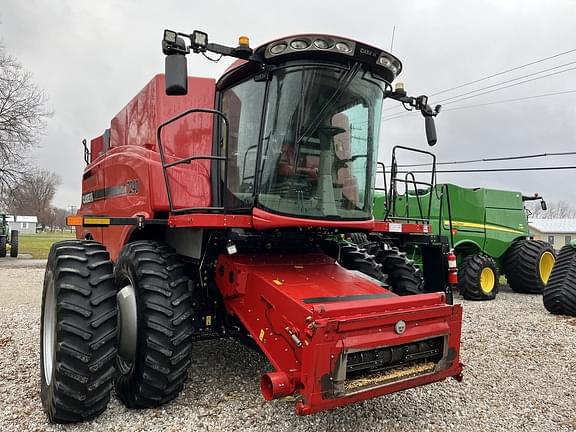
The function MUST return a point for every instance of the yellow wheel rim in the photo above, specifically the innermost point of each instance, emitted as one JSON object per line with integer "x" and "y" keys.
{"x": 487, "y": 280}
{"x": 545, "y": 265}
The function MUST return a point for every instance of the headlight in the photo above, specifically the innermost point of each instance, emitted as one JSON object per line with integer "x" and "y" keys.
{"x": 343, "y": 47}
{"x": 299, "y": 44}
{"x": 278, "y": 48}
{"x": 322, "y": 44}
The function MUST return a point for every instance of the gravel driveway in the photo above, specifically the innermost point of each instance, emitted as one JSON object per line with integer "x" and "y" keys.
{"x": 520, "y": 375}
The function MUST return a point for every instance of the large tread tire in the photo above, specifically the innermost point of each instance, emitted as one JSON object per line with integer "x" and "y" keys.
{"x": 403, "y": 276}
{"x": 164, "y": 324}
{"x": 560, "y": 292}
{"x": 522, "y": 265}
{"x": 470, "y": 278}
{"x": 354, "y": 257}
{"x": 14, "y": 244}
{"x": 78, "y": 331}
{"x": 359, "y": 239}
{"x": 2, "y": 246}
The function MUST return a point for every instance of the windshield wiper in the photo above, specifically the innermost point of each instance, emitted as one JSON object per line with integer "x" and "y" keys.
{"x": 315, "y": 123}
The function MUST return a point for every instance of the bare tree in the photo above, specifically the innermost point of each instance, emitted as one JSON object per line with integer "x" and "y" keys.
{"x": 33, "y": 194}
{"x": 23, "y": 118}
{"x": 556, "y": 210}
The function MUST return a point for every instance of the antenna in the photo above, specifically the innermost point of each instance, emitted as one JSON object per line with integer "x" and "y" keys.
{"x": 392, "y": 44}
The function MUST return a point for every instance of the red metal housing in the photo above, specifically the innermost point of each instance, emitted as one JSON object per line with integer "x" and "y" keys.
{"x": 308, "y": 314}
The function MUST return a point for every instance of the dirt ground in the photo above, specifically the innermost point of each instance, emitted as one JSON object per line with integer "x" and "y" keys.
{"x": 520, "y": 375}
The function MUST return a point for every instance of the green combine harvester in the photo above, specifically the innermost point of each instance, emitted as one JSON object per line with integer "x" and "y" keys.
{"x": 7, "y": 238}
{"x": 486, "y": 228}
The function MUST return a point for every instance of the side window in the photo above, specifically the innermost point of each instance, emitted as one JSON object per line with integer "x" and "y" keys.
{"x": 242, "y": 105}
{"x": 551, "y": 240}
{"x": 567, "y": 239}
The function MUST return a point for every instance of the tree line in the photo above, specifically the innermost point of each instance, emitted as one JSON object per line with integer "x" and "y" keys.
{"x": 25, "y": 189}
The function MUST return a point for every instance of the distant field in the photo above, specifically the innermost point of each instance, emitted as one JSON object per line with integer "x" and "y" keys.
{"x": 38, "y": 245}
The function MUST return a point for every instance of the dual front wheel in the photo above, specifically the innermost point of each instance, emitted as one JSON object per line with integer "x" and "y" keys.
{"x": 129, "y": 327}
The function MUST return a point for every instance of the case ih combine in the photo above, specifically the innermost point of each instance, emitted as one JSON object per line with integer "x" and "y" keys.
{"x": 216, "y": 210}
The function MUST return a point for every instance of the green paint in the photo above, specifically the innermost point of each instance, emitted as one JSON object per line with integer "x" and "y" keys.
{"x": 484, "y": 220}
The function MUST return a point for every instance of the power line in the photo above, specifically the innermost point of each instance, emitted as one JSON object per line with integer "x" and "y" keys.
{"x": 505, "y": 72}
{"x": 496, "y": 74}
{"x": 395, "y": 116}
{"x": 510, "y": 100}
{"x": 508, "y": 81}
{"x": 554, "y": 168}
{"x": 496, "y": 159}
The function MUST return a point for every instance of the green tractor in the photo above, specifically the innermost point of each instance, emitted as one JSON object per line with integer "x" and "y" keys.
{"x": 8, "y": 237}
{"x": 486, "y": 228}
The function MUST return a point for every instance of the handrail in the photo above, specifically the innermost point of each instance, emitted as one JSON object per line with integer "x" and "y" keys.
{"x": 166, "y": 165}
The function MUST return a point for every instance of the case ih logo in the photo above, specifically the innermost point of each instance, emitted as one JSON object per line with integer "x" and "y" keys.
{"x": 368, "y": 52}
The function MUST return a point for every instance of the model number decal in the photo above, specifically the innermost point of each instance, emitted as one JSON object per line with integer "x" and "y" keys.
{"x": 131, "y": 187}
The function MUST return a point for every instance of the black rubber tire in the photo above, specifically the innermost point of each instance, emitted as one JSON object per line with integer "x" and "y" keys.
{"x": 2, "y": 246}
{"x": 14, "y": 244}
{"x": 359, "y": 239}
{"x": 354, "y": 257}
{"x": 522, "y": 265}
{"x": 469, "y": 277}
{"x": 164, "y": 324}
{"x": 560, "y": 292}
{"x": 80, "y": 277}
{"x": 402, "y": 275}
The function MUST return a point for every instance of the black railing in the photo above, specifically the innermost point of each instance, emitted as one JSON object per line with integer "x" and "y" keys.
{"x": 424, "y": 212}
{"x": 165, "y": 165}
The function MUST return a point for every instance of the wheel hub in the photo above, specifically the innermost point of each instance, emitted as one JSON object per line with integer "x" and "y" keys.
{"x": 545, "y": 266}
{"x": 49, "y": 328}
{"x": 127, "y": 327}
{"x": 487, "y": 280}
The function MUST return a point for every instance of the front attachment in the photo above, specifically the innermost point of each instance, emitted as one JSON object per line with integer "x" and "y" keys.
{"x": 336, "y": 336}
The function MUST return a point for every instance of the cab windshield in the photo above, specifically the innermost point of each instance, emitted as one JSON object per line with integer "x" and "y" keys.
{"x": 317, "y": 146}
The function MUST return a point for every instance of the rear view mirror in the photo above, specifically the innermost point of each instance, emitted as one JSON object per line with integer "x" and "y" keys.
{"x": 543, "y": 205}
{"x": 430, "y": 130}
{"x": 176, "y": 71}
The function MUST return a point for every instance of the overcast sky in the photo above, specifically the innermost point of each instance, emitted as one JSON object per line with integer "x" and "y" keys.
{"x": 92, "y": 57}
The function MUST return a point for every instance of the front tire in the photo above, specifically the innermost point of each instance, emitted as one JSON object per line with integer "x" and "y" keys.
{"x": 478, "y": 278}
{"x": 560, "y": 292}
{"x": 402, "y": 275}
{"x": 78, "y": 331}
{"x": 155, "y": 324}
{"x": 14, "y": 244}
{"x": 529, "y": 265}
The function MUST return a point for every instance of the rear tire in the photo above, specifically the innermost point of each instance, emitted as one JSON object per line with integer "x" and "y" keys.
{"x": 478, "y": 278}
{"x": 2, "y": 246}
{"x": 158, "y": 368}
{"x": 529, "y": 265}
{"x": 403, "y": 276}
{"x": 14, "y": 244}
{"x": 560, "y": 292}
{"x": 78, "y": 331}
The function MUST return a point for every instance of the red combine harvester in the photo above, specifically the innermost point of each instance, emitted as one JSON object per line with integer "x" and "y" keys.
{"x": 217, "y": 208}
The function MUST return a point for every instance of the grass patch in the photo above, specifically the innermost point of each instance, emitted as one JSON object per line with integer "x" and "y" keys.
{"x": 38, "y": 245}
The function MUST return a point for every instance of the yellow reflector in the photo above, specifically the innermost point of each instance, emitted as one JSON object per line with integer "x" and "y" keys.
{"x": 96, "y": 221}
{"x": 243, "y": 40}
{"x": 74, "y": 220}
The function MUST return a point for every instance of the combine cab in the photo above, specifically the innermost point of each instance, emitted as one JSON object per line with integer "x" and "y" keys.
{"x": 217, "y": 208}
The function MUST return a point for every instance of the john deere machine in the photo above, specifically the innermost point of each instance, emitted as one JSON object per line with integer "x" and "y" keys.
{"x": 487, "y": 229}
{"x": 215, "y": 208}
{"x": 8, "y": 238}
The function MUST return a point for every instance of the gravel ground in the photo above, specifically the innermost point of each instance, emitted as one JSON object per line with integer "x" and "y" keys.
{"x": 520, "y": 375}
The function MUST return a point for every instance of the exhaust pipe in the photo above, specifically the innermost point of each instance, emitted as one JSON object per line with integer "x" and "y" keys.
{"x": 274, "y": 385}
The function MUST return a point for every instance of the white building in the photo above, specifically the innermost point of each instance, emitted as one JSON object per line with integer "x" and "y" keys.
{"x": 557, "y": 232}
{"x": 23, "y": 224}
